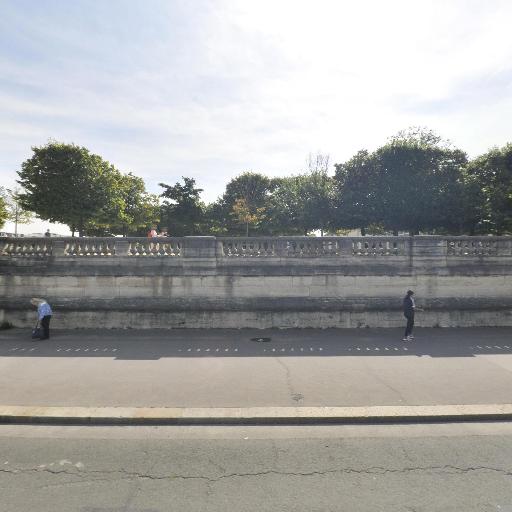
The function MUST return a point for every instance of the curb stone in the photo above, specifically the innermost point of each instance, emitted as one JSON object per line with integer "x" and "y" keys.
{"x": 253, "y": 415}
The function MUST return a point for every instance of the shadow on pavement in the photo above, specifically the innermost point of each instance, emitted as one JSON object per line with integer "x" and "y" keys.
{"x": 156, "y": 344}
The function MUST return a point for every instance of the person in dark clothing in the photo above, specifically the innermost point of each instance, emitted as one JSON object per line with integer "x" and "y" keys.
{"x": 409, "y": 308}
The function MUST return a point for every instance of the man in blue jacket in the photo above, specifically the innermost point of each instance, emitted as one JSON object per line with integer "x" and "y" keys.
{"x": 409, "y": 308}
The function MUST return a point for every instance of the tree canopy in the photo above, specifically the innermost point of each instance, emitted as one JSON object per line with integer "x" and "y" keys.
{"x": 13, "y": 209}
{"x": 489, "y": 192}
{"x": 66, "y": 183}
{"x": 415, "y": 182}
{"x": 3, "y": 212}
{"x": 412, "y": 183}
{"x": 182, "y": 211}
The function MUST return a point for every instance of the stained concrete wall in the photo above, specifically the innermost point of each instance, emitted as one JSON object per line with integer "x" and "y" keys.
{"x": 459, "y": 282}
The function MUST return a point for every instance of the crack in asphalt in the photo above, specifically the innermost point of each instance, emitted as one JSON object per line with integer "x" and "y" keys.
{"x": 376, "y": 470}
{"x": 297, "y": 397}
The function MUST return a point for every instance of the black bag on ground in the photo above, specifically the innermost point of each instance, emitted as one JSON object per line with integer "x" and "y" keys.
{"x": 37, "y": 332}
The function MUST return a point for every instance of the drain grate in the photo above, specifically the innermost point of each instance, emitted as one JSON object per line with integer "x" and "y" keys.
{"x": 260, "y": 339}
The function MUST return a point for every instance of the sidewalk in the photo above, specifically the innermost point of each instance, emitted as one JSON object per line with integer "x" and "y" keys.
{"x": 222, "y": 369}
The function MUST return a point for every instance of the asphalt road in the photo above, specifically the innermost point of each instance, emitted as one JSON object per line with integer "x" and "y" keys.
{"x": 456, "y": 467}
{"x": 225, "y": 368}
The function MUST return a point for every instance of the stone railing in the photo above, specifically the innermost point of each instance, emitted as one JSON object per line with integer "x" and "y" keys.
{"x": 479, "y": 246}
{"x": 258, "y": 247}
{"x": 87, "y": 247}
{"x": 25, "y": 247}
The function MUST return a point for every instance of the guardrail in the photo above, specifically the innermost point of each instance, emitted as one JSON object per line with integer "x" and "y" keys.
{"x": 257, "y": 247}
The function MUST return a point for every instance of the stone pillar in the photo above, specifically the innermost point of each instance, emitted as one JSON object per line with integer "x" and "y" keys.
{"x": 199, "y": 247}
{"x": 199, "y": 254}
{"x": 58, "y": 248}
{"x": 122, "y": 247}
{"x": 428, "y": 246}
{"x": 345, "y": 246}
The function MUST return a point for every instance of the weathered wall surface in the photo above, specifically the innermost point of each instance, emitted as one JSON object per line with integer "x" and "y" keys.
{"x": 258, "y": 282}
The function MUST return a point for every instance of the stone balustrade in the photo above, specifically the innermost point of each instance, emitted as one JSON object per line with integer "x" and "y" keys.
{"x": 257, "y": 282}
{"x": 257, "y": 247}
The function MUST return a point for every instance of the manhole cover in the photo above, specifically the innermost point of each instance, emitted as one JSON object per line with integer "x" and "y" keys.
{"x": 260, "y": 339}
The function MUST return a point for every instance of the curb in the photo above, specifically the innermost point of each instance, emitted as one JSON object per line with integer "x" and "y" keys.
{"x": 252, "y": 415}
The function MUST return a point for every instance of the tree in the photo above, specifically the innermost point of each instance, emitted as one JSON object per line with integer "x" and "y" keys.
{"x": 357, "y": 192}
{"x": 413, "y": 183}
{"x": 243, "y": 214}
{"x": 130, "y": 211}
{"x": 14, "y": 211}
{"x": 182, "y": 211}
{"x": 301, "y": 204}
{"x": 3, "y": 212}
{"x": 66, "y": 183}
{"x": 488, "y": 181}
{"x": 254, "y": 189}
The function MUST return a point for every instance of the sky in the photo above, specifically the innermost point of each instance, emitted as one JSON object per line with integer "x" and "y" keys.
{"x": 212, "y": 88}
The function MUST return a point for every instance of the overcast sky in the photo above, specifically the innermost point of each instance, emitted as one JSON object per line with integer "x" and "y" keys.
{"x": 209, "y": 89}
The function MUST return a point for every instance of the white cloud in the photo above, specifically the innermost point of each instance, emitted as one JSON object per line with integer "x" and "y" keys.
{"x": 211, "y": 89}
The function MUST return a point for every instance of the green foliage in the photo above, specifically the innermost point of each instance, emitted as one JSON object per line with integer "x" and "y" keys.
{"x": 3, "y": 212}
{"x": 182, "y": 212}
{"x": 357, "y": 197}
{"x": 14, "y": 211}
{"x": 254, "y": 189}
{"x": 416, "y": 182}
{"x": 301, "y": 204}
{"x": 66, "y": 183}
{"x": 130, "y": 210}
{"x": 488, "y": 192}
{"x": 413, "y": 183}
{"x": 244, "y": 215}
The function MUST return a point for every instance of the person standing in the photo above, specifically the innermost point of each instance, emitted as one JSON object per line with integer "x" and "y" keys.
{"x": 409, "y": 308}
{"x": 44, "y": 315}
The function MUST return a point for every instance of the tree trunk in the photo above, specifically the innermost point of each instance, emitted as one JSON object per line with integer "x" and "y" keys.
{"x": 247, "y": 229}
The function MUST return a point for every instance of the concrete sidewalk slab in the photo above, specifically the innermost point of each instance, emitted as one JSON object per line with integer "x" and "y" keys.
{"x": 252, "y": 415}
{"x": 225, "y": 369}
